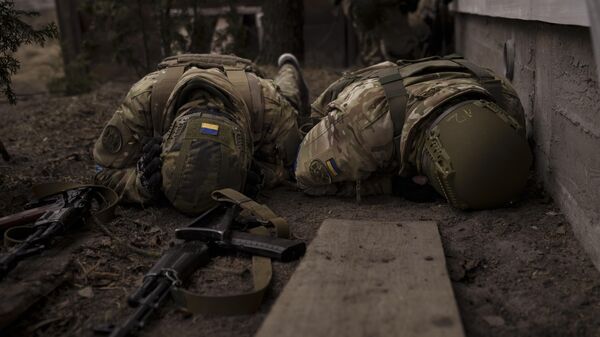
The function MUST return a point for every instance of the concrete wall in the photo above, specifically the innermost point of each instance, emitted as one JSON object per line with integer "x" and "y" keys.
{"x": 555, "y": 76}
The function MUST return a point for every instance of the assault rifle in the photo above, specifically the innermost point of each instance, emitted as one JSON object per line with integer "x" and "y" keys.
{"x": 212, "y": 232}
{"x": 69, "y": 210}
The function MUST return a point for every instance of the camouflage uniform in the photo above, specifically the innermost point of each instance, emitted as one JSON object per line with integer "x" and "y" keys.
{"x": 274, "y": 146}
{"x": 390, "y": 29}
{"x": 354, "y": 148}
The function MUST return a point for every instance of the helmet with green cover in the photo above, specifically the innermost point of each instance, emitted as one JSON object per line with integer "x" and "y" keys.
{"x": 474, "y": 155}
{"x": 205, "y": 149}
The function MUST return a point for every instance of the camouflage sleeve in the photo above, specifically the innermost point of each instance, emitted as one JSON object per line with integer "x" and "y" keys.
{"x": 280, "y": 139}
{"x": 118, "y": 149}
{"x": 319, "y": 107}
{"x": 353, "y": 142}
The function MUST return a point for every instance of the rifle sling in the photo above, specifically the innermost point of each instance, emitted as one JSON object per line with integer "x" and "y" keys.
{"x": 262, "y": 271}
{"x": 236, "y": 304}
{"x": 261, "y": 211}
{"x": 104, "y": 214}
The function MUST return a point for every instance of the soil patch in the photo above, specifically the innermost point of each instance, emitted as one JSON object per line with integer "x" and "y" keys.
{"x": 517, "y": 271}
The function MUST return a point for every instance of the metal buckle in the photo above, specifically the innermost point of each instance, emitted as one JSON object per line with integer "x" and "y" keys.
{"x": 171, "y": 275}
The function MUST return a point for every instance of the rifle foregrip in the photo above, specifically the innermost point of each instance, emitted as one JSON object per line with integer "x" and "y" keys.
{"x": 277, "y": 248}
{"x": 189, "y": 256}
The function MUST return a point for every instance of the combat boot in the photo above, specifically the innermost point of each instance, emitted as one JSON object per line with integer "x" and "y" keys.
{"x": 304, "y": 105}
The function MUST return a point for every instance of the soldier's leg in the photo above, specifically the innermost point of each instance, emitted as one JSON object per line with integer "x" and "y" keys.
{"x": 291, "y": 83}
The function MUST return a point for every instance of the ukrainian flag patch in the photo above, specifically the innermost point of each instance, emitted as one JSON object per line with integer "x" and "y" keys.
{"x": 209, "y": 129}
{"x": 332, "y": 167}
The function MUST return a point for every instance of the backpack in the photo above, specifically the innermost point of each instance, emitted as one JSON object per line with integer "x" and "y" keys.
{"x": 242, "y": 73}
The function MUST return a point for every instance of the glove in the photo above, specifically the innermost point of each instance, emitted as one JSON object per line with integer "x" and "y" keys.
{"x": 254, "y": 181}
{"x": 148, "y": 168}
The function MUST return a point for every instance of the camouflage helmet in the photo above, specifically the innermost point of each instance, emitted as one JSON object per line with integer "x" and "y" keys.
{"x": 475, "y": 155}
{"x": 205, "y": 149}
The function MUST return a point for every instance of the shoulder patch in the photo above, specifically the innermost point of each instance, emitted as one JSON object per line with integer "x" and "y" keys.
{"x": 209, "y": 129}
{"x": 318, "y": 172}
{"x": 112, "y": 140}
{"x": 333, "y": 167}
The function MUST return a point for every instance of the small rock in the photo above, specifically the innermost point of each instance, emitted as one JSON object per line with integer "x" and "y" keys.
{"x": 86, "y": 292}
{"x": 494, "y": 320}
{"x": 154, "y": 229}
{"x": 534, "y": 227}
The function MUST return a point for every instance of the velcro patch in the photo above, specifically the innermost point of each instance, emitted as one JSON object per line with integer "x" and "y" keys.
{"x": 112, "y": 140}
{"x": 332, "y": 167}
{"x": 209, "y": 129}
{"x": 318, "y": 172}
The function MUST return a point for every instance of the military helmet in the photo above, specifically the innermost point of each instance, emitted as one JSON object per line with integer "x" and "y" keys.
{"x": 475, "y": 155}
{"x": 205, "y": 149}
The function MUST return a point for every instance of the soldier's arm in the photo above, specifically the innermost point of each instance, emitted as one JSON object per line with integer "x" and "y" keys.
{"x": 352, "y": 143}
{"x": 119, "y": 147}
{"x": 277, "y": 149}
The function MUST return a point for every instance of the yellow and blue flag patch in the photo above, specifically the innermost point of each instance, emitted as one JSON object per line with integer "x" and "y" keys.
{"x": 209, "y": 129}
{"x": 332, "y": 167}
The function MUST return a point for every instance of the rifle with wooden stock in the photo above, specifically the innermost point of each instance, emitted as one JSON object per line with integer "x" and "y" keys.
{"x": 217, "y": 230}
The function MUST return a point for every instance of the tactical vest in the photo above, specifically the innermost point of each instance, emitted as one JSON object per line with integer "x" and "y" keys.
{"x": 242, "y": 74}
{"x": 395, "y": 78}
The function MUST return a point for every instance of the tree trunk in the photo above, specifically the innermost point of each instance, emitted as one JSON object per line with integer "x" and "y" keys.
{"x": 283, "y": 23}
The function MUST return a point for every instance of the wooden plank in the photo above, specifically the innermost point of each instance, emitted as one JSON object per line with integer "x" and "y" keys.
{"x": 367, "y": 278}
{"x": 552, "y": 11}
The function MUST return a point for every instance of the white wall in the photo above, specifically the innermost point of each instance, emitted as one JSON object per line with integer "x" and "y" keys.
{"x": 566, "y": 12}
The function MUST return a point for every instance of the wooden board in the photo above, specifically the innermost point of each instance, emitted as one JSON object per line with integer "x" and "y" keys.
{"x": 367, "y": 278}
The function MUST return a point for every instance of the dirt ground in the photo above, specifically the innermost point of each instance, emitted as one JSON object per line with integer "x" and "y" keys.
{"x": 517, "y": 271}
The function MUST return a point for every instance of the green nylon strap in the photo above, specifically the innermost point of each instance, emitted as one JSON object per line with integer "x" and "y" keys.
{"x": 397, "y": 97}
{"x": 239, "y": 80}
{"x": 161, "y": 91}
{"x": 262, "y": 270}
{"x": 237, "y": 304}
{"x": 262, "y": 211}
{"x": 109, "y": 200}
{"x": 258, "y": 105}
{"x": 487, "y": 80}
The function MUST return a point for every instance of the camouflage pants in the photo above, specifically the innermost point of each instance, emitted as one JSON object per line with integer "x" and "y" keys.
{"x": 288, "y": 79}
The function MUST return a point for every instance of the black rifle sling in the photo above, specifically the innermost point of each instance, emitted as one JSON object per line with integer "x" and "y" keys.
{"x": 262, "y": 271}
